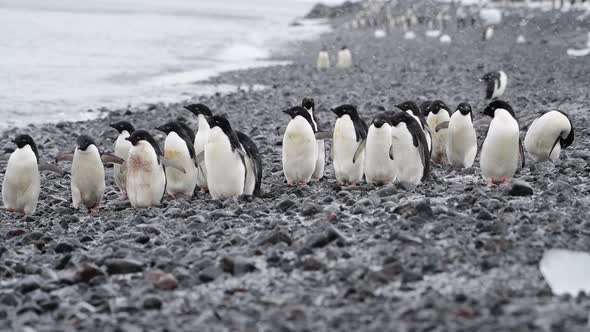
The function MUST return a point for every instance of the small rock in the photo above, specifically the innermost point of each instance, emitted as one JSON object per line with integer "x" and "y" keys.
{"x": 386, "y": 192}
{"x": 359, "y": 209}
{"x": 311, "y": 264}
{"x": 276, "y": 237}
{"x": 237, "y": 265}
{"x": 142, "y": 239}
{"x": 209, "y": 274}
{"x": 123, "y": 266}
{"x": 309, "y": 209}
{"x": 285, "y": 204}
{"x": 88, "y": 271}
{"x": 15, "y": 232}
{"x": 518, "y": 188}
{"x": 63, "y": 247}
{"x": 161, "y": 280}
{"x": 152, "y": 302}
{"x": 28, "y": 284}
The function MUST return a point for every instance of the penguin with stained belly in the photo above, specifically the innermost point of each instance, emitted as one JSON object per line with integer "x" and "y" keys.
{"x": 411, "y": 108}
{"x": 349, "y": 132}
{"x": 547, "y": 135}
{"x": 179, "y": 146}
{"x": 318, "y": 174}
{"x": 122, "y": 151}
{"x": 410, "y": 152}
{"x": 22, "y": 185}
{"x": 461, "y": 137}
{"x": 201, "y": 111}
{"x": 501, "y": 147}
{"x": 225, "y": 160}
{"x": 300, "y": 147}
{"x": 379, "y": 167}
{"x": 496, "y": 83}
{"x": 437, "y": 113}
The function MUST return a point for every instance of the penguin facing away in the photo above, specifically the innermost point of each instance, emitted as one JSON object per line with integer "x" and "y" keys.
{"x": 253, "y": 161}
{"x": 437, "y": 113}
{"x": 379, "y": 166}
{"x": 300, "y": 147}
{"x": 201, "y": 111}
{"x": 461, "y": 137}
{"x": 411, "y": 155}
{"x": 349, "y": 132}
{"x": 179, "y": 146}
{"x": 496, "y": 83}
{"x": 318, "y": 174}
{"x": 411, "y": 108}
{"x": 323, "y": 61}
{"x": 125, "y": 129}
{"x": 501, "y": 147}
{"x": 548, "y": 135}
{"x": 344, "y": 58}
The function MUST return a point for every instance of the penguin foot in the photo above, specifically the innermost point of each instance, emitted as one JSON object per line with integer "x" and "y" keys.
{"x": 505, "y": 182}
{"x": 204, "y": 190}
{"x": 123, "y": 196}
{"x": 490, "y": 182}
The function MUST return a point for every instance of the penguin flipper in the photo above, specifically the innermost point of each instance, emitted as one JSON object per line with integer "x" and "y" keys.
{"x": 172, "y": 164}
{"x": 200, "y": 158}
{"x": 553, "y": 147}
{"x": 323, "y": 135}
{"x": 359, "y": 150}
{"x": 441, "y": 126}
{"x": 51, "y": 168}
{"x": 111, "y": 159}
{"x": 391, "y": 152}
{"x": 64, "y": 157}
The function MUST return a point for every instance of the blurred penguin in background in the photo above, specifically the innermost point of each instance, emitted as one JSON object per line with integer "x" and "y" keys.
{"x": 323, "y": 62}
{"x": 344, "y": 58}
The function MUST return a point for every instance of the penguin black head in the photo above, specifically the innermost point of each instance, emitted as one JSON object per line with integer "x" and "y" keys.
{"x": 437, "y": 106}
{"x": 490, "y": 110}
{"x": 123, "y": 125}
{"x": 409, "y": 106}
{"x": 219, "y": 121}
{"x": 295, "y": 111}
{"x": 380, "y": 119}
{"x": 345, "y": 109}
{"x": 84, "y": 142}
{"x": 424, "y": 107}
{"x": 343, "y": 48}
{"x": 198, "y": 109}
{"x": 23, "y": 140}
{"x": 569, "y": 140}
{"x": 171, "y": 126}
{"x": 490, "y": 77}
{"x": 400, "y": 117}
{"x": 142, "y": 135}
{"x": 464, "y": 108}
{"x": 182, "y": 130}
{"x": 308, "y": 103}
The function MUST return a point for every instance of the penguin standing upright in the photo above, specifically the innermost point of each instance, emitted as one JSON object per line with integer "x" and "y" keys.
{"x": 22, "y": 185}
{"x": 253, "y": 162}
{"x": 437, "y": 113}
{"x": 300, "y": 147}
{"x": 122, "y": 146}
{"x": 201, "y": 111}
{"x": 496, "y": 83}
{"x": 179, "y": 146}
{"x": 547, "y": 135}
{"x": 318, "y": 174}
{"x": 323, "y": 61}
{"x": 344, "y": 58}
{"x": 488, "y": 33}
{"x": 412, "y": 108}
{"x": 379, "y": 167}
{"x": 461, "y": 137}
{"x": 349, "y": 132}
{"x": 501, "y": 146}
{"x": 410, "y": 151}
{"x": 225, "y": 160}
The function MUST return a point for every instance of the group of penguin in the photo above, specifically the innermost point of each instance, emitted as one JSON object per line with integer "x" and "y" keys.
{"x": 343, "y": 59}
{"x": 217, "y": 159}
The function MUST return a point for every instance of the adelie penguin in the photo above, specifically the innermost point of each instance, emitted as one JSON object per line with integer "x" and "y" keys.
{"x": 318, "y": 174}
{"x": 87, "y": 181}
{"x": 461, "y": 137}
{"x": 378, "y": 149}
{"x": 344, "y": 58}
{"x": 146, "y": 178}
{"x": 122, "y": 146}
{"x": 253, "y": 161}
{"x": 501, "y": 147}
{"x": 495, "y": 83}
{"x": 436, "y": 113}
{"x": 179, "y": 146}
{"x": 22, "y": 183}
{"x": 349, "y": 132}
{"x": 300, "y": 147}
{"x": 412, "y": 108}
{"x": 323, "y": 61}
{"x": 409, "y": 150}
{"x": 202, "y": 112}
{"x": 547, "y": 135}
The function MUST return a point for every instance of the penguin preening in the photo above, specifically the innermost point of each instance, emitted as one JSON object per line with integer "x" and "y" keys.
{"x": 225, "y": 160}
{"x": 22, "y": 184}
{"x": 125, "y": 129}
{"x": 179, "y": 146}
{"x": 501, "y": 147}
{"x": 323, "y": 61}
{"x": 253, "y": 161}
{"x": 379, "y": 167}
{"x": 547, "y": 135}
{"x": 201, "y": 111}
{"x": 411, "y": 108}
{"x": 461, "y": 137}
{"x": 437, "y": 112}
{"x": 411, "y": 157}
{"x": 318, "y": 174}
{"x": 349, "y": 132}
{"x": 496, "y": 83}
{"x": 344, "y": 58}
{"x": 300, "y": 147}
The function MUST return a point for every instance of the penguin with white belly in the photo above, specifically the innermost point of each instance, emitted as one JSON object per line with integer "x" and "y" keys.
{"x": 300, "y": 147}
{"x": 412, "y": 108}
{"x": 225, "y": 160}
{"x": 461, "y": 137}
{"x": 323, "y": 61}
{"x": 179, "y": 146}
{"x": 496, "y": 83}
{"x": 21, "y": 185}
{"x": 349, "y": 132}
{"x": 379, "y": 167}
{"x": 122, "y": 146}
{"x": 437, "y": 113}
{"x": 253, "y": 162}
{"x": 344, "y": 58}
{"x": 547, "y": 135}
{"x": 411, "y": 155}
{"x": 201, "y": 111}
{"x": 501, "y": 147}
{"x": 318, "y": 174}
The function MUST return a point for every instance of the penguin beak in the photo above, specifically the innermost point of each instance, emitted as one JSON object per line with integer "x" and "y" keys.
{"x": 159, "y": 129}
{"x": 195, "y": 112}
{"x": 288, "y": 112}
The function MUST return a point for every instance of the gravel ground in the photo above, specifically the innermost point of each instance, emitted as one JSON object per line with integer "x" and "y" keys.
{"x": 452, "y": 255}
